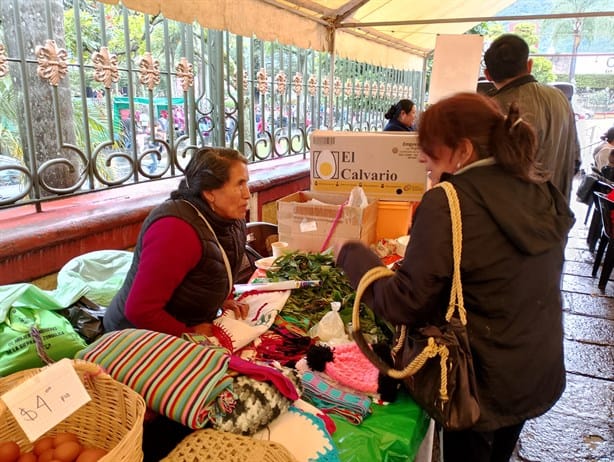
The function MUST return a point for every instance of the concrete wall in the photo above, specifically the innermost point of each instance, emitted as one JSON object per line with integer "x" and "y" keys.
{"x": 34, "y": 246}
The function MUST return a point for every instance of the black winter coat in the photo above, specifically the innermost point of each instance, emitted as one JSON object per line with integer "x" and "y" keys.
{"x": 514, "y": 236}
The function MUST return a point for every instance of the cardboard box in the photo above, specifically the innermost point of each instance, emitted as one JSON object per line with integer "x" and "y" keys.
{"x": 384, "y": 164}
{"x": 304, "y": 220}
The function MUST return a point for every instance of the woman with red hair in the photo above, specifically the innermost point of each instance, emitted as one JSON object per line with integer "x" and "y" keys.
{"x": 514, "y": 231}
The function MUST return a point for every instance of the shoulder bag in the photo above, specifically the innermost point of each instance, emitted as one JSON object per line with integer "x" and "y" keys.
{"x": 584, "y": 193}
{"x": 433, "y": 362}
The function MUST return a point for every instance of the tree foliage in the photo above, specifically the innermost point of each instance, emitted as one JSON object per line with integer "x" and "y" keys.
{"x": 10, "y": 142}
{"x": 571, "y": 35}
{"x": 542, "y": 67}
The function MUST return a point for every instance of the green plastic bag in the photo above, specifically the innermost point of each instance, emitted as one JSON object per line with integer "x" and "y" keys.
{"x": 31, "y": 332}
{"x": 392, "y": 433}
{"x": 103, "y": 272}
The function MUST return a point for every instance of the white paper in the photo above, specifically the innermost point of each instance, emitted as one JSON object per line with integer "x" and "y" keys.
{"x": 456, "y": 65}
{"x": 308, "y": 226}
{"x": 46, "y": 399}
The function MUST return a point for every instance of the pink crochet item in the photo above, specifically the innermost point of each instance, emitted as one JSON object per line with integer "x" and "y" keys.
{"x": 351, "y": 368}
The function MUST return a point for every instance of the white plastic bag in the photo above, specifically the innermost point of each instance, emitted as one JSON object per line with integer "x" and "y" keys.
{"x": 358, "y": 198}
{"x": 331, "y": 327}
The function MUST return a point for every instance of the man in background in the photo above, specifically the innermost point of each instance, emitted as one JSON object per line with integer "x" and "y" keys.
{"x": 602, "y": 157}
{"x": 508, "y": 66}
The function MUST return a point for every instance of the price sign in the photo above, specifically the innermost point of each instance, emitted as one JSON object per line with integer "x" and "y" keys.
{"x": 44, "y": 400}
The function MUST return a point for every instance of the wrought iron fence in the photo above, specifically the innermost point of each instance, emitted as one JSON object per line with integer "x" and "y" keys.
{"x": 95, "y": 96}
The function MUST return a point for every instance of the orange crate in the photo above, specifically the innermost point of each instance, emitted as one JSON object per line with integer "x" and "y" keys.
{"x": 393, "y": 219}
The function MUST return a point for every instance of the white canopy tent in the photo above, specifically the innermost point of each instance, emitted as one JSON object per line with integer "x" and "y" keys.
{"x": 390, "y": 33}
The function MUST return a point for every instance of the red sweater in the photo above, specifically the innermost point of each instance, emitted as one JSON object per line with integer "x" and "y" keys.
{"x": 171, "y": 248}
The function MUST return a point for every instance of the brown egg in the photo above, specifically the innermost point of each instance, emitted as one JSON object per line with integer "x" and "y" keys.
{"x": 28, "y": 457}
{"x": 91, "y": 455}
{"x": 67, "y": 451}
{"x": 63, "y": 437}
{"x": 46, "y": 455}
{"x": 42, "y": 444}
{"x": 9, "y": 451}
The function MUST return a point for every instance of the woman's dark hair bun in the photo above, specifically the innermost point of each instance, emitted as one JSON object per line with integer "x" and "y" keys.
{"x": 391, "y": 112}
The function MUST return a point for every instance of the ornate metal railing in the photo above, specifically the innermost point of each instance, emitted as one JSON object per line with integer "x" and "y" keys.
{"x": 94, "y": 96}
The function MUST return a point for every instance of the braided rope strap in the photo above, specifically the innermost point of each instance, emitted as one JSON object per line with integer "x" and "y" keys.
{"x": 456, "y": 302}
{"x": 456, "y": 294}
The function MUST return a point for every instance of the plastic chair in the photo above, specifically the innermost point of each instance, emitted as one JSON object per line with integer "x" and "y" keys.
{"x": 606, "y": 241}
{"x": 260, "y": 236}
{"x": 594, "y": 229}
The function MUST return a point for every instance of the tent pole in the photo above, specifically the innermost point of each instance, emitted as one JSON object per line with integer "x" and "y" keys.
{"x": 423, "y": 83}
{"x": 331, "y": 86}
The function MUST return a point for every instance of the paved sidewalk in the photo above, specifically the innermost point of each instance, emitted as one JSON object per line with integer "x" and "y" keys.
{"x": 580, "y": 427}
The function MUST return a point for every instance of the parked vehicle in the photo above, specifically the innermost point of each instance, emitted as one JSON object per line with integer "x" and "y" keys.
{"x": 9, "y": 176}
{"x": 569, "y": 90}
{"x": 582, "y": 113}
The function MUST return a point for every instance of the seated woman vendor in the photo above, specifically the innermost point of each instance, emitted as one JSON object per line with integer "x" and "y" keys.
{"x": 188, "y": 251}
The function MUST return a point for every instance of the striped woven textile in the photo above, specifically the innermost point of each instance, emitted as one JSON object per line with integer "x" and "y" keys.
{"x": 177, "y": 378}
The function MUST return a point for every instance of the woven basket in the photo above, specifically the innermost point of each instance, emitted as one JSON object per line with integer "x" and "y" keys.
{"x": 216, "y": 446}
{"x": 112, "y": 420}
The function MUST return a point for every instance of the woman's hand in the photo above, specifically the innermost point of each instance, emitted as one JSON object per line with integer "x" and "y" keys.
{"x": 337, "y": 247}
{"x": 240, "y": 309}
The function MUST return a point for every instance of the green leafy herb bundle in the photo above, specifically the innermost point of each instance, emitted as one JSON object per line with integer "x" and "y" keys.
{"x": 307, "y": 306}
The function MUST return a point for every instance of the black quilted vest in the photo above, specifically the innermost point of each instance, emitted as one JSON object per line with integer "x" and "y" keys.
{"x": 200, "y": 295}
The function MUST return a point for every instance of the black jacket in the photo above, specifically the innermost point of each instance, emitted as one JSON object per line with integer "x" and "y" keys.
{"x": 394, "y": 125}
{"x": 514, "y": 236}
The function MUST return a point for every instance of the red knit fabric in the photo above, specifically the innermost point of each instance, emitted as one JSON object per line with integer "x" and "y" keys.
{"x": 170, "y": 249}
{"x": 611, "y": 197}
